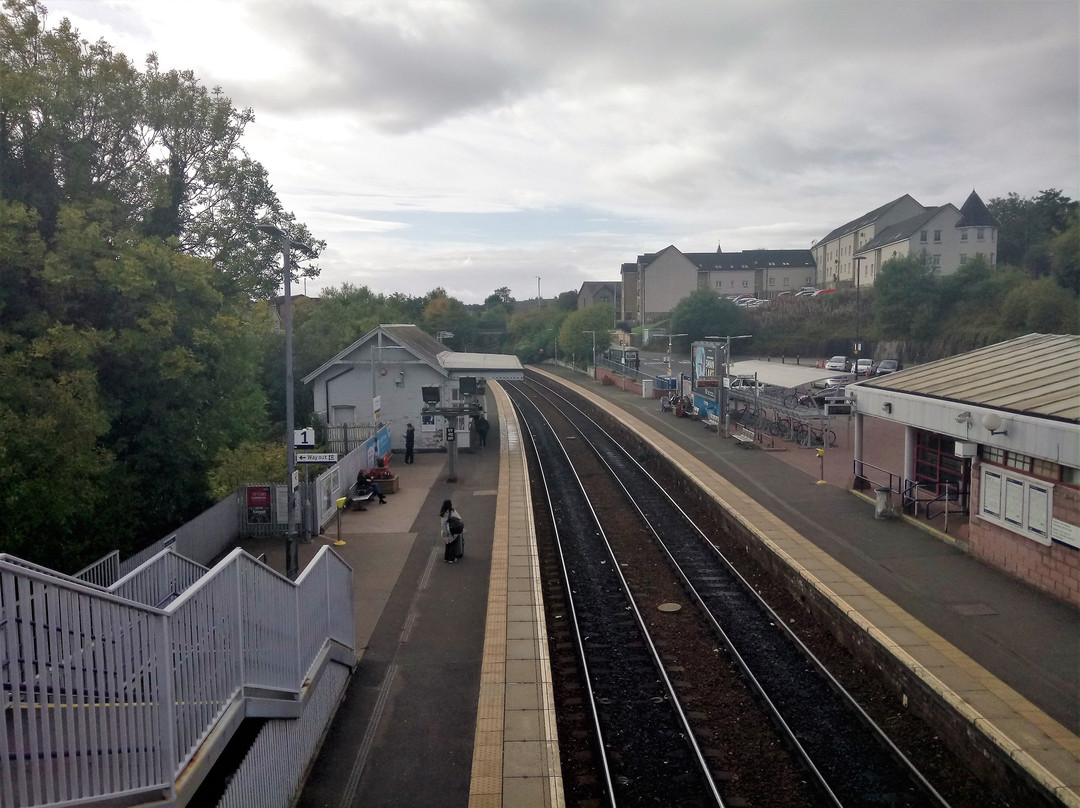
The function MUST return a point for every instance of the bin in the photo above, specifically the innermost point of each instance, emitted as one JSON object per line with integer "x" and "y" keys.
{"x": 883, "y": 508}
{"x": 646, "y": 388}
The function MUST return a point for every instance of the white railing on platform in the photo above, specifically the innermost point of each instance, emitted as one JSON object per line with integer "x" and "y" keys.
{"x": 106, "y": 697}
{"x": 102, "y": 572}
{"x": 159, "y": 579}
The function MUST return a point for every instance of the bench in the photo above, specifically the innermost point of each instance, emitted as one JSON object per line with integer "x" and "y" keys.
{"x": 712, "y": 421}
{"x": 357, "y": 498}
{"x": 745, "y": 436}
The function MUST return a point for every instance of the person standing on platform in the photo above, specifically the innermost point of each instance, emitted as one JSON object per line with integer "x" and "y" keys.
{"x": 482, "y": 427}
{"x": 410, "y": 437}
{"x": 453, "y": 529}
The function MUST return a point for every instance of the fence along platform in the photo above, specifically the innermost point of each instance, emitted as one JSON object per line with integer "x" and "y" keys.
{"x": 104, "y": 697}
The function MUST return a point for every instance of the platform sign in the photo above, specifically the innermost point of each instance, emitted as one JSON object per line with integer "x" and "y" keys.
{"x": 450, "y": 434}
{"x": 304, "y": 438}
{"x": 317, "y": 457}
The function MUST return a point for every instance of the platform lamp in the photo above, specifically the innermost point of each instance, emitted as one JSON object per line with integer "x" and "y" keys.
{"x": 858, "y": 345}
{"x": 292, "y": 560}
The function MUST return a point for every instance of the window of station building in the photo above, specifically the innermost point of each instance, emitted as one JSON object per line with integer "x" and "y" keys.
{"x": 993, "y": 455}
{"x": 1017, "y": 461}
{"x": 937, "y": 468}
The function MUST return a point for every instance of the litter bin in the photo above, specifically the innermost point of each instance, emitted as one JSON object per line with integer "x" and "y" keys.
{"x": 883, "y": 509}
{"x": 646, "y": 388}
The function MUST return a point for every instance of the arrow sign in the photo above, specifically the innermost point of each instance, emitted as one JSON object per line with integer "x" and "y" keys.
{"x": 323, "y": 457}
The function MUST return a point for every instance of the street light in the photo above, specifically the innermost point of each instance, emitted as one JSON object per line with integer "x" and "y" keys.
{"x": 292, "y": 560}
{"x": 538, "y": 298}
{"x": 593, "y": 348}
{"x": 858, "y": 264}
{"x": 669, "y": 336}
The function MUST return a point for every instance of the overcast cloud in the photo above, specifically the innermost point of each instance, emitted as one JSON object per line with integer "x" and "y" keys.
{"x": 474, "y": 145}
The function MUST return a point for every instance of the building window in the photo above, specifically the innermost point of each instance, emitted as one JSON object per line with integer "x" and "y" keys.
{"x": 937, "y": 260}
{"x": 963, "y": 258}
{"x": 787, "y": 281}
{"x": 1018, "y": 461}
{"x": 922, "y": 236}
{"x": 937, "y": 236}
{"x": 963, "y": 235}
{"x": 772, "y": 281}
{"x": 1017, "y": 503}
{"x": 1045, "y": 468}
{"x": 979, "y": 234}
{"x": 991, "y": 259}
{"x": 992, "y": 455}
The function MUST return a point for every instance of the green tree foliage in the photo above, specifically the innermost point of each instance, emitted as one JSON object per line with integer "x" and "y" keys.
{"x": 79, "y": 122}
{"x": 567, "y": 301}
{"x": 1065, "y": 255}
{"x": 1027, "y": 227}
{"x": 702, "y": 313}
{"x": 248, "y": 462}
{"x": 531, "y": 333}
{"x": 575, "y": 342}
{"x": 908, "y": 295}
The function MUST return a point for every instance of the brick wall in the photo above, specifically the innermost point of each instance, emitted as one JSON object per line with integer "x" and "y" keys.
{"x": 1054, "y": 569}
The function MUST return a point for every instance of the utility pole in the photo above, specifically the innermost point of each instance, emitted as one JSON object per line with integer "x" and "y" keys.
{"x": 593, "y": 348}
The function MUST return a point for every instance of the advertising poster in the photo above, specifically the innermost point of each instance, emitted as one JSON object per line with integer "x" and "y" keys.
{"x": 258, "y": 505}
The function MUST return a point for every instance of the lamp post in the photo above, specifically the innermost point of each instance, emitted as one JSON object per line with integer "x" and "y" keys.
{"x": 538, "y": 298}
{"x": 292, "y": 560}
{"x": 858, "y": 346}
{"x": 593, "y": 348}
{"x": 669, "y": 337}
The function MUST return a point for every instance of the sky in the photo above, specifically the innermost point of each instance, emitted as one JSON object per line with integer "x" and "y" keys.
{"x": 479, "y": 144}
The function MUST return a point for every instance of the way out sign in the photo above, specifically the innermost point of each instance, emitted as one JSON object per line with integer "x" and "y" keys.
{"x": 317, "y": 457}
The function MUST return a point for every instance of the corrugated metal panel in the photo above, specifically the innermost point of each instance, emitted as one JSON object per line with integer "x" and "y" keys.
{"x": 1038, "y": 374}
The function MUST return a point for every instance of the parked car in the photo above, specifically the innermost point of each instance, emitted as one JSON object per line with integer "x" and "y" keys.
{"x": 822, "y": 292}
{"x": 840, "y": 363}
{"x": 833, "y": 398}
{"x": 862, "y": 367}
{"x": 743, "y": 384}
{"x": 886, "y": 366}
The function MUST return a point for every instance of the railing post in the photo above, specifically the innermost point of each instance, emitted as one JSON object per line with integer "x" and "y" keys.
{"x": 167, "y": 715}
{"x": 240, "y": 626}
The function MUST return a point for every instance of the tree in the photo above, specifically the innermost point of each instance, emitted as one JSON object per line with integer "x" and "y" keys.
{"x": 1065, "y": 255}
{"x": 702, "y": 313}
{"x": 573, "y": 339}
{"x": 1026, "y": 227}
{"x": 907, "y": 298}
{"x": 500, "y": 296}
{"x": 567, "y": 301}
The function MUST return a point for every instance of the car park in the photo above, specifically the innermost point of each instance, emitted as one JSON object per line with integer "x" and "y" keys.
{"x": 840, "y": 363}
{"x": 862, "y": 367}
{"x": 886, "y": 366}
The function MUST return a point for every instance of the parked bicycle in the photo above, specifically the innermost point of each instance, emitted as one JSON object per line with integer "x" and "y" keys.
{"x": 809, "y": 435}
{"x": 799, "y": 398}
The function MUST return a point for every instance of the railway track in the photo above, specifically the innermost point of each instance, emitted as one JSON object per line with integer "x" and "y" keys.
{"x": 671, "y": 638}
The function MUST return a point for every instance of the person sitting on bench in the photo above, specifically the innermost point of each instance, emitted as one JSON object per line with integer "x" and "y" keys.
{"x": 364, "y": 480}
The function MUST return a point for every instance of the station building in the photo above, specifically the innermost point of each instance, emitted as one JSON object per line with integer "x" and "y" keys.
{"x": 381, "y": 377}
{"x": 996, "y": 430}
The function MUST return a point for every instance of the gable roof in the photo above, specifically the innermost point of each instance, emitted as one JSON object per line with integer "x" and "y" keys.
{"x": 904, "y": 230}
{"x": 975, "y": 214}
{"x": 418, "y": 342}
{"x": 866, "y": 219}
{"x": 747, "y": 259}
{"x": 1037, "y": 374}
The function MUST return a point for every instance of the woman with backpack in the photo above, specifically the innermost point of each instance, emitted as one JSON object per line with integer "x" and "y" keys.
{"x": 453, "y": 528}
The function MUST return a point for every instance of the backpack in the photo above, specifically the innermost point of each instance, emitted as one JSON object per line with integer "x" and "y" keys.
{"x": 455, "y": 524}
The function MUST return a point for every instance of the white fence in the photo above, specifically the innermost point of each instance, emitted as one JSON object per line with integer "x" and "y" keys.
{"x": 106, "y": 697}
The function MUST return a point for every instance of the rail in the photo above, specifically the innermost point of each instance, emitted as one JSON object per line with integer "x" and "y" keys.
{"x": 106, "y": 698}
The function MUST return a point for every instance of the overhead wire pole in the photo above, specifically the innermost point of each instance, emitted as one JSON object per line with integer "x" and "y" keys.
{"x": 292, "y": 555}
{"x": 669, "y": 337}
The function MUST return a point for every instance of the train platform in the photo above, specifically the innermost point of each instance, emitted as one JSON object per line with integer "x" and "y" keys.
{"x": 450, "y": 703}
{"x": 1005, "y": 655}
